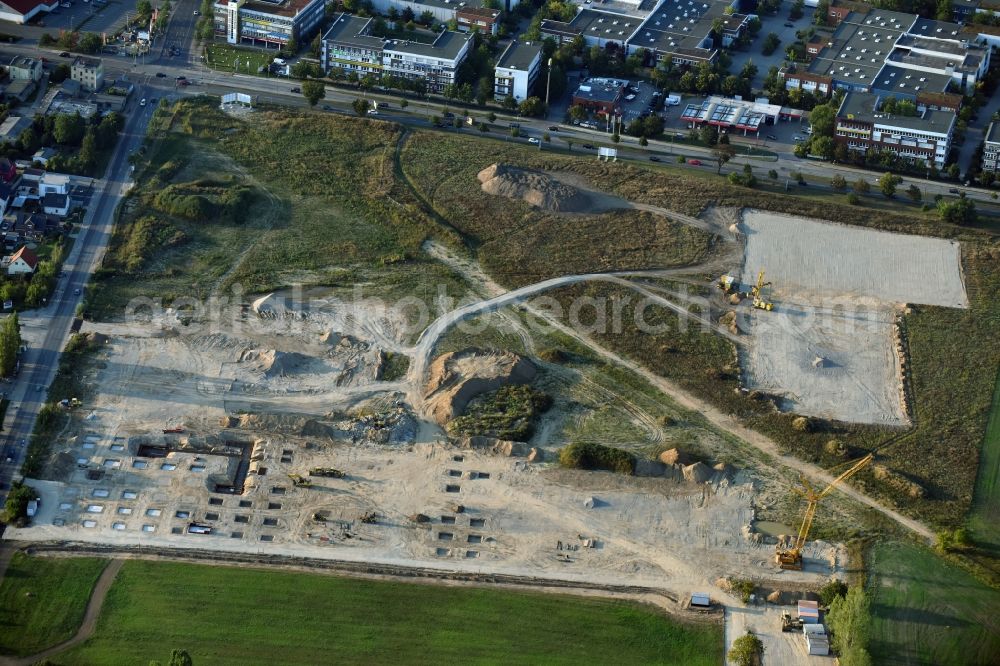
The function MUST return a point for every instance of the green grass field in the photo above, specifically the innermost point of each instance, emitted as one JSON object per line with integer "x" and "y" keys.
{"x": 42, "y": 601}
{"x": 226, "y": 58}
{"x": 927, "y": 612}
{"x": 243, "y": 616}
{"x": 985, "y": 516}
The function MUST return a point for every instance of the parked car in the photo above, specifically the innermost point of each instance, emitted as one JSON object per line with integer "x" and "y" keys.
{"x": 64, "y": 54}
{"x": 694, "y": 162}
{"x": 952, "y": 190}
{"x": 296, "y": 89}
{"x": 372, "y": 112}
{"x": 142, "y": 102}
{"x": 553, "y": 128}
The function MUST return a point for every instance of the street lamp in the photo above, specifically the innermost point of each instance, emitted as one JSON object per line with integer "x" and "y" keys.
{"x": 548, "y": 86}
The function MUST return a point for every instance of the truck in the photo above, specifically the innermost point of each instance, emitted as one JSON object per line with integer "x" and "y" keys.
{"x": 328, "y": 472}
{"x": 788, "y": 623}
{"x": 673, "y": 99}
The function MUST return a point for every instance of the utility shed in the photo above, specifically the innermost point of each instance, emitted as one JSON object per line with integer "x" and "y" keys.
{"x": 809, "y": 611}
{"x": 700, "y": 599}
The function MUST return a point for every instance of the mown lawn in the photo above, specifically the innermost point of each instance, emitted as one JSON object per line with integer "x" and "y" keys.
{"x": 929, "y": 612}
{"x": 226, "y": 58}
{"x": 243, "y": 616}
{"x": 42, "y": 601}
{"x": 985, "y": 517}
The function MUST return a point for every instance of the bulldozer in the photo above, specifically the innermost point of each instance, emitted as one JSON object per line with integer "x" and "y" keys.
{"x": 756, "y": 293}
{"x": 788, "y": 623}
{"x": 791, "y": 558}
{"x": 300, "y": 481}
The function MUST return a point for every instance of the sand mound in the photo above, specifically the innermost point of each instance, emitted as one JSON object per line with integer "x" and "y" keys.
{"x": 698, "y": 472}
{"x": 534, "y": 187}
{"x": 672, "y": 456}
{"x": 458, "y": 377}
{"x": 272, "y": 363}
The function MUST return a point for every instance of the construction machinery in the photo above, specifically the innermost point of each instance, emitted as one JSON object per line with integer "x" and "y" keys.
{"x": 789, "y": 623}
{"x": 327, "y": 471}
{"x": 756, "y": 293}
{"x": 300, "y": 481}
{"x": 791, "y": 558}
{"x": 727, "y": 283}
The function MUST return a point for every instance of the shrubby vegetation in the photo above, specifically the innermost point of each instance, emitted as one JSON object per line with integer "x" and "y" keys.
{"x": 592, "y": 456}
{"x": 507, "y": 413}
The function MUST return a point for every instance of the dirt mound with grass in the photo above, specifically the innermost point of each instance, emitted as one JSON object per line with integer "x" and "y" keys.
{"x": 456, "y": 378}
{"x": 534, "y": 187}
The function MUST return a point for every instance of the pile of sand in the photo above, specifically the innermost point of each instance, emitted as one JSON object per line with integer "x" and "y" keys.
{"x": 272, "y": 363}
{"x": 456, "y": 378}
{"x": 534, "y": 187}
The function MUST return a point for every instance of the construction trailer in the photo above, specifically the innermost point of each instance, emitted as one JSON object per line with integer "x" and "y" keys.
{"x": 808, "y": 612}
{"x": 700, "y": 600}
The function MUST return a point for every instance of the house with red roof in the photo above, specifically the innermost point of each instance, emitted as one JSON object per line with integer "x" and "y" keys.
{"x": 22, "y": 262}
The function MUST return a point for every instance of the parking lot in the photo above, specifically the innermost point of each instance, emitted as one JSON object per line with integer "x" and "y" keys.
{"x": 642, "y": 96}
{"x": 95, "y": 16}
{"x": 777, "y": 25}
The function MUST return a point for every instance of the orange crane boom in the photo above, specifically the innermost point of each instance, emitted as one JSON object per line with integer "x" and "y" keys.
{"x": 792, "y": 557}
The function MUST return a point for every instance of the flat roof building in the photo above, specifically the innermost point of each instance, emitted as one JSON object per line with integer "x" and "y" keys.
{"x": 862, "y": 126}
{"x": 349, "y": 45}
{"x": 600, "y": 95}
{"x": 991, "y": 149}
{"x": 267, "y": 22}
{"x": 517, "y": 70}
{"x": 486, "y": 21}
{"x": 685, "y": 31}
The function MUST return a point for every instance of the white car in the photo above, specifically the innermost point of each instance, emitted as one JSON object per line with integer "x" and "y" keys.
{"x": 533, "y": 139}
{"x": 142, "y": 102}
{"x": 372, "y": 112}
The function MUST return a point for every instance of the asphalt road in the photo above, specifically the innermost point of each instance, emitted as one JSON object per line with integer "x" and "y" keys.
{"x": 39, "y": 362}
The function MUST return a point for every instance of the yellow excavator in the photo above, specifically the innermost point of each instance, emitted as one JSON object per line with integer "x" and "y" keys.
{"x": 756, "y": 293}
{"x": 791, "y": 558}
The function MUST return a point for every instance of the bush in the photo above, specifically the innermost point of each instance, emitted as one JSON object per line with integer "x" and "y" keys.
{"x": 834, "y": 588}
{"x": 802, "y": 424}
{"x": 747, "y": 650}
{"x": 16, "y": 508}
{"x": 588, "y": 455}
{"x": 507, "y": 413}
{"x": 742, "y": 587}
{"x": 853, "y": 199}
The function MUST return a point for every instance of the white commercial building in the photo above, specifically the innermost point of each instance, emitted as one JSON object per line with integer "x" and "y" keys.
{"x": 517, "y": 70}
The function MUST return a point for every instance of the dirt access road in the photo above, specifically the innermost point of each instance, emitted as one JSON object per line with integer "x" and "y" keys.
{"x": 471, "y": 271}
{"x": 87, "y": 627}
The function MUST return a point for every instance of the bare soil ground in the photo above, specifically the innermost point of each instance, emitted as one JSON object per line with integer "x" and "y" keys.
{"x": 828, "y": 349}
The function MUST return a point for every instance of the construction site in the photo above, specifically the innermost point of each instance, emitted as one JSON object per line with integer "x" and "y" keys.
{"x": 281, "y": 425}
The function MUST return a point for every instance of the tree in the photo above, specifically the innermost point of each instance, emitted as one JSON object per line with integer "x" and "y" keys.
{"x": 849, "y": 620}
{"x": 833, "y": 589}
{"x": 822, "y": 9}
{"x": 771, "y": 43}
{"x": 10, "y": 344}
{"x": 746, "y": 651}
{"x": 861, "y": 186}
{"x": 823, "y": 120}
{"x": 313, "y": 91}
{"x": 87, "y": 157}
{"x": 16, "y": 507}
{"x": 577, "y": 113}
{"x": 914, "y": 193}
{"x": 772, "y": 174}
{"x": 708, "y": 135}
{"x": 887, "y": 184}
{"x": 959, "y": 211}
{"x": 838, "y": 183}
{"x": 533, "y": 106}
{"x": 68, "y": 129}
{"x": 180, "y": 658}
{"x": 403, "y": 103}
{"x": 954, "y": 171}
{"x": 360, "y": 106}
{"x": 426, "y": 17}
{"x": 723, "y": 153}
{"x": 943, "y": 10}
{"x": 643, "y": 141}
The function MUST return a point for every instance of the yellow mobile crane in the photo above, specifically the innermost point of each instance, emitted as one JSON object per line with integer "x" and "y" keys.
{"x": 756, "y": 291}
{"x": 792, "y": 557}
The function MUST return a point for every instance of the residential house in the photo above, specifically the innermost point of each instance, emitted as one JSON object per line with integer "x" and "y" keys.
{"x": 12, "y": 127}
{"x": 89, "y": 72}
{"x": 25, "y": 68}
{"x": 56, "y": 204}
{"x": 22, "y": 262}
{"x": 8, "y": 171}
{"x": 6, "y": 198}
{"x": 19, "y": 90}
{"x": 43, "y": 155}
{"x": 53, "y": 183}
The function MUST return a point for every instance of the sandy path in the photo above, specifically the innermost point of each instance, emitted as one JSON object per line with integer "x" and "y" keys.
{"x": 88, "y": 625}
{"x": 723, "y": 421}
